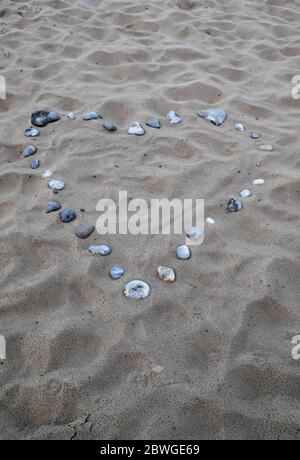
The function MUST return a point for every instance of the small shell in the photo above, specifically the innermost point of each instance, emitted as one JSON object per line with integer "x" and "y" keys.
{"x": 240, "y": 127}
{"x": 195, "y": 233}
{"x": 245, "y": 193}
{"x": 137, "y": 290}
{"x": 174, "y": 118}
{"x": 166, "y": 274}
{"x": 135, "y": 129}
{"x": 183, "y": 252}
{"x": 102, "y": 250}
{"x": 56, "y": 185}
{"x": 116, "y": 272}
{"x": 258, "y": 182}
{"x": 32, "y": 132}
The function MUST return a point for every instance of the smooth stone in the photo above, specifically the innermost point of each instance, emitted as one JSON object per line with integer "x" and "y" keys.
{"x": 166, "y": 274}
{"x": 245, "y": 193}
{"x": 210, "y": 221}
{"x": 174, "y": 118}
{"x": 258, "y": 163}
{"x": 183, "y": 252}
{"x": 266, "y": 148}
{"x": 35, "y": 164}
{"x": 194, "y": 233}
{"x": 255, "y": 135}
{"x": 135, "y": 129}
{"x": 47, "y": 174}
{"x": 67, "y": 215}
{"x": 234, "y": 205}
{"x": 157, "y": 369}
{"x": 56, "y": 185}
{"x": 91, "y": 116}
{"x": 53, "y": 206}
{"x": 32, "y": 132}
{"x": 240, "y": 127}
{"x": 83, "y": 231}
{"x": 29, "y": 150}
{"x": 101, "y": 250}
{"x": 258, "y": 182}
{"x": 137, "y": 290}
{"x": 153, "y": 123}
{"x": 109, "y": 126}
{"x": 217, "y": 117}
{"x": 116, "y": 272}
{"x": 71, "y": 116}
{"x": 42, "y": 117}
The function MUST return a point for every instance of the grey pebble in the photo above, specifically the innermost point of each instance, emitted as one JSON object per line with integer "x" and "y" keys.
{"x": 255, "y": 135}
{"x": 35, "y": 164}
{"x": 217, "y": 117}
{"x": 32, "y": 132}
{"x": 83, "y": 231}
{"x": 67, "y": 215}
{"x": 53, "y": 206}
{"x": 29, "y": 150}
{"x": 183, "y": 252}
{"x": 153, "y": 123}
{"x": 116, "y": 272}
{"x": 101, "y": 250}
{"x": 91, "y": 116}
{"x": 42, "y": 117}
{"x": 109, "y": 126}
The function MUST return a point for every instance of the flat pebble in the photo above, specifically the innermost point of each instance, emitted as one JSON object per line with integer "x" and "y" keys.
{"x": 245, "y": 193}
{"x": 195, "y": 233}
{"x": 56, "y": 185}
{"x": 83, "y": 231}
{"x": 166, "y": 274}
{"x": 47, "y": 174}
{"x": 137, "y": 290}
{"x": 29, "y": 150}
{"x": 109, "y": 126}
{"x": 217, "y": 117}
{"x": 53, "y": 206}
{"x": 91, "y": 116}
{"x": 258, "y": 182}
{"x": 101, "y": 250}
{"x": 42, "y": 117}
{"x": 35, "y": 164}
{"x": 135, "y": 129}
{"x": 116, "y": 272}
{"x": 67, "y": 215}
{"x": 255, "y": 135}
{"x": 32, "y": 132}
{"x": 210, "y": 221}
{"x": 71, "y": 116}
{"x": 266, "y": 148}
{"x": 183, "y": 252}
{"x": 240, "y": 127}
{"x": 153, "y": 123}
{"x": 174, "y": 118}
{"x": 234, "y": 205}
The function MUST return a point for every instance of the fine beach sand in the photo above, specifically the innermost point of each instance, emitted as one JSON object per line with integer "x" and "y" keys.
{"x": 208, "y": 357}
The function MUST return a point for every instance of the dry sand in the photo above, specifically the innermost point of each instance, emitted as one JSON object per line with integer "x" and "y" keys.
{"x": 207, "y": 357}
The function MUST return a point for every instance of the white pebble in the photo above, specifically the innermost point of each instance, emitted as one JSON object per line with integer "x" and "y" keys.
{"x": 195, "y": 233}
{"x": 47, "y": 174}
{"x": 136, "y": 129}
{"x": 166, "y": 274}
{"x": 183, "y": 252}
{"x": 258, "y": 182}
{"x": 240, "y": 127}
{"x": 266, "y": 148}
{"x": 56, "y": 185}
{"x": 245, "y": 193}
{"x": 210, "y": 221}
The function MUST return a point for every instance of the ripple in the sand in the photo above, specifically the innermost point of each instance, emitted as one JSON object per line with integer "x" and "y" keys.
{"x": 166, "y": 274}
{"x": 53, "y": 206}
{"x": 56, "y": 185}
{"x": 153, "y": 123}
{"x": 109, "y": 126}
{"x": 217, "y": 117}
{"x": 101, "y": 250}
{"x": 183, "y": 252}
{"x": 32, "y": 132}
{"x": 137, "y": 290}
{"x": 29, "y": 150}
{"x": 116, "y": 272}
{"x": 67, "y": 215}
{"x": 135, "y": 129}
{"x": 84, "y": 230}
{"x": 245, "y": 193}
{"x": 35, "y": 164}
{"x": 174, "y": 118}
{"x": 234, "y": 205}
{"x": 91, "y": 116}
{"x": 41, "y": 118}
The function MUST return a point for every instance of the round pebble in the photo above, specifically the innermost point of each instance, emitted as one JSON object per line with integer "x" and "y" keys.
{"x": 266, "y": 148}
{"x": 174, "y": 118}
{"x": 67, "y": 215}
{"x": 109, "y": 126}
{"x": 166, "y": 274}
{"x": 195, "y": 233}
{"x": 53, "y": 206}
{"x": 183, "y": 252}
{"x": 255, "y": 135}
{"x": 217, "y": 117}
{"x": 35, "y": 164}
{"x": 234, "y": 205}
{"x": 153, "y": 123}
{"x": 137, "y": 290}
{"x": 135, "y": 129}
{"x": 83, "y": 231}
{"x": 245, "y": 193}
{"x": 258, "y": 182}
{"x": 56, "y": 185}
{"x": 102, "y": 250}
{"x": 29, "y": 150}
{"x": 91, "y": 116}
{"x": 116, "y": 272}
{"x": 32, "y": 132}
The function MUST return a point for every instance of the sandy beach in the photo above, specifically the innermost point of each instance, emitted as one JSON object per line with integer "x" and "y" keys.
{"x": 209, "y": 356}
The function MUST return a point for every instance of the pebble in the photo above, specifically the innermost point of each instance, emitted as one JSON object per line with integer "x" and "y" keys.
{"x": 71, "y": 116}
{"x": 83, "y": 231}
{"x": 56, "y": 185}
{"x": 109, "y": 126}
{"x": 35, "y": 164}
{"x": 47, "y": 174}
{"x": 53, "y": 206}
{"x": 29, "y": 150}
{"x": 42, "y": 117}
{"x": 234, "y": 205}
{"x": 153, "y": 123}
{"x": 116, "y": 272}
{"x": 166, "y": 274}
{"x": 240, "y": 127}
{"x": 255, "y": 135}
{"x": 266, "y": 148}
{"x": 137, "y": 290}
{"x": 91, "y": 116}
{"x": 194, "y": 234}
{"x": 183, "y": 252}
{"x": 210, "y": 221}
{"x": 136, "y": 129}
{"x": 67, "y": 215}
{"x": 258, "y": 182}
{"x": 217, "y": 117}
{"x": 32, "y": 132}
{"x": 157, "y": 369}
{"x": 258, "y": 163}
{"x": 102, "y": 250}
{"x": 245, "y": 193}
{"x": 174, "y": 118}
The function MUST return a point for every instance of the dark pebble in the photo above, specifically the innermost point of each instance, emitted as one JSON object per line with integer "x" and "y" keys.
{"x": 29, "y": 150}
{"x": 53, "y": 206}
{"x": 67, "y": 215}
{"x": 35, "y": 164}
{"x": 109, "y": 126}
{"x": 42, "y": 117}
{"x": 153, "y": 123}
{"x": 234, "y": 205}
